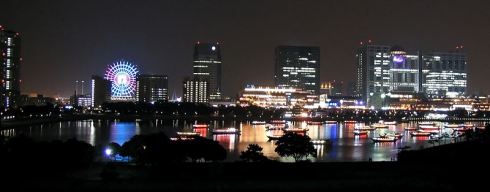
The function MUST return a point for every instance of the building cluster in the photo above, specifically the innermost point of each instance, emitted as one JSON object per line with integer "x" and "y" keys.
{"x": 386, "y": 77}
{"x": 387, "y": 74}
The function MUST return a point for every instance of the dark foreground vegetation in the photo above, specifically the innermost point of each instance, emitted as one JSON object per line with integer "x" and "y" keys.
{"x": 153, "y": 163}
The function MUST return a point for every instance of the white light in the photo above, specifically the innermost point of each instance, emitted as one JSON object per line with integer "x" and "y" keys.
{"x": 108, "y": 151}
{"x": 213, "y": 48}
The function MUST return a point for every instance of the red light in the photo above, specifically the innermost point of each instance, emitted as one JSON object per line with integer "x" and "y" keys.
{"x": 360, "y": 43}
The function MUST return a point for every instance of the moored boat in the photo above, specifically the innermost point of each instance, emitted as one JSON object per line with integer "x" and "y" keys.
{"x": 331, "y": 122}
{"x": 384, "y": 139}
{"x": 314, "y": 123}
{"x": 188, "y": 134}
{"x": 410, "y": 128}
{"x": 426, "y": 123}
{"x": 226, "y": 131}
{"x": 452, "y": 126}
{"x": 350, "y": 121}
{"x": 429, "y": 127}
{"x": 420, "y": 134}
{"x": 200, "y": 126}
{"x": 275, "y": 127}
{"x": 258, "y": 122}
{"x": 273, "y": 137}
{"x": 278, "y": 122}
{"x": 389, "y": 122}
{"x": 359, "y": 132}
{"x": 295, "y": 130}
{"x": 365, "y": 128}
{"x": 379, "y": 126}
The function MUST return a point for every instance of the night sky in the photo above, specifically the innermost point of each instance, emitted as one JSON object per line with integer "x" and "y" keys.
{"x": 64, "y": 41}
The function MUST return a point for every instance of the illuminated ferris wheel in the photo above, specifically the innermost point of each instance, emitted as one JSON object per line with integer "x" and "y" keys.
{"x": 122, "y": 74}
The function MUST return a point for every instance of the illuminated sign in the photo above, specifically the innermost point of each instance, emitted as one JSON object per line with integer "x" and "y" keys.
{"x": 398, "y": 59}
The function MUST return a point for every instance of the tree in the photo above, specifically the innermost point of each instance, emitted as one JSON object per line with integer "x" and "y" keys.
{"x": 253, "y": 154}
{"x": 296, "y": 146}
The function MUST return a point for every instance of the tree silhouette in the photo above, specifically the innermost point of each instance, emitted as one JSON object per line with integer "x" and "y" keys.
{"x": 253, "y": 154}
{"x": 296, "y": 146}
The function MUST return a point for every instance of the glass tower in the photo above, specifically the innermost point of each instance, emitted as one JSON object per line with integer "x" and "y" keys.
{"x": 298, "y": 67}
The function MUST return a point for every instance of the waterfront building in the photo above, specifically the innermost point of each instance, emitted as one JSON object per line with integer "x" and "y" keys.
{"x": 152, "y": 88}
{"x": 100, "y": 91}
{"x": 207, "y": 67}
{"x": 196, "y": 90}
{"x": 298, "y": 67}
{"x": 445, "y": 74}
{"x": 275, "y": 97}
{"x": 10, "y": 61}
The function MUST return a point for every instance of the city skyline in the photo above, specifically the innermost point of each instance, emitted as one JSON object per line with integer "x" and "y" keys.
{"x": 110, "y": 39}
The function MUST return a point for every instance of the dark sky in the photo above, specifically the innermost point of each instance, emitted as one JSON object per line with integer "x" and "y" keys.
{"x": 64, "y": 41}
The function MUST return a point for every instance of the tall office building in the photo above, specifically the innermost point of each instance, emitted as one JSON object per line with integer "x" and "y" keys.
{"x": 207, "y": 67}
{"x": 404, "y": 72}
{"x": 100, "y": 91}
{"x": 373, "y": 72}
{"x": 298, "y": 67}
{"x": 10, "y": 60}
{"x": 152, "y": 88}
{"x": 445, "y": 74}
{"x": 196, "y": 90}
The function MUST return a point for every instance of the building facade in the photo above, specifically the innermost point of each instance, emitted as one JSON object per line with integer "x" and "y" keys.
{"x": 298, "y": 67}
{"x": 152, "y": 88}
{"x": 196, "y": 90}
{"x": 373, "y": 72}
{"x": 207, "y": 67}
{"x": 100, "y": 91}
{"x": 445, "y": 74}
{"x": 274, "y": 97}
{"x": 10, "y": 60}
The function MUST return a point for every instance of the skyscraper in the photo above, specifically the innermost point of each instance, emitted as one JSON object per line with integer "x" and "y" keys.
{"x": 298, "y": 67}
{"x": 152, "y": 88}
{"x": 207, "y": 67}
{"x": 100, "y": 90}
{"x": 373, "y": 72}
{"x": 196, "y": 90}
{"x": 404, "y": 71}
{"x": 10, "y": 60}
{"x": 445, "y": 74}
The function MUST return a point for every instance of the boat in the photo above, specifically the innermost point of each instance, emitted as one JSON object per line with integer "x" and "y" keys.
{"x": 295, "y": 130}
{"x": 200, "y": 126}
{"x": 350, "y": 121}
{"x": 410, "y": 128}
{"x": 226, "y": 131}
{"x": 420, "y": 134}
{"x": 429, "y": 127}
{"x": 389, "y": 122}
{"x": 392, "y": 134}
{"x": 359, "y": 132}
{"x": 379, "y": 126}
{"x": 258, "y": 122}
{"x": 278, "y": 122}
{"x": 366, "y": 128}
{"x": 469, "y": 126}
{"x": 274, "y": 137}
{"x": 274, "y": 127}
{"x": 314, "y": 123}
{"x": 426, "y": 123}
{"x": 320, "y": 141}
{"x": 188, "y": 134}
{"x": 384, "y": 139}
{"x": 452, "y": 126}
{"x": 481, "y": 127}
{"x": 331, "y": 122}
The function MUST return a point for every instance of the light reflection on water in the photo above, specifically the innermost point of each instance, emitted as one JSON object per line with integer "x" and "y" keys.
{"x": 345, "y": 145}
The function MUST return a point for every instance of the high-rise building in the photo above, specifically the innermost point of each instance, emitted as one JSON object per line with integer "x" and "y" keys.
{"x": 373, "y": 72}
{"x": 207, "y": 67}
{"x": 445, "y": 74}
{"x": 404, "y": 72}
{"x": 10, "y": 60}
{"x": 298, "y": 67}
{"x": 196, "y": 90}
{"x": 152, "y": 88}
{"x": 100, "y": 90}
